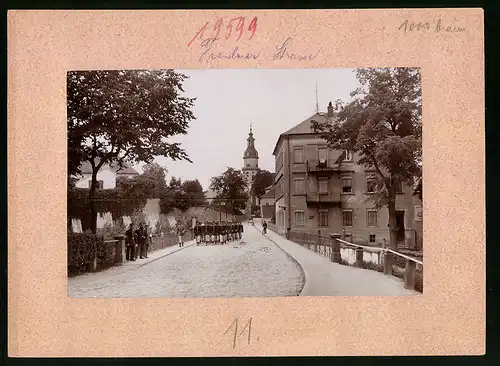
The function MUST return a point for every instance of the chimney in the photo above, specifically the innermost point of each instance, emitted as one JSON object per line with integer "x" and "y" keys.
{"x": 330, "y": 110}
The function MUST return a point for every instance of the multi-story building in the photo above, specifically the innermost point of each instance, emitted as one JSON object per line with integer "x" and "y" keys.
{"x": 315, "y": 189}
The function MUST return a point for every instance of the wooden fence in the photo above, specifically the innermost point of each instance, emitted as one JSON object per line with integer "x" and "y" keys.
{"x": 385, "y": 260}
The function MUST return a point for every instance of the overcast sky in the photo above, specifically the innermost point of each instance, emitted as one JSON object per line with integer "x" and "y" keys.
{"x": 228, "y": 100}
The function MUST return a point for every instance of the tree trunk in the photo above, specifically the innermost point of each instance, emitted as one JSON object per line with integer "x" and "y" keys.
{"x": 93, "y": 209}
{"x": 393, "y": 239}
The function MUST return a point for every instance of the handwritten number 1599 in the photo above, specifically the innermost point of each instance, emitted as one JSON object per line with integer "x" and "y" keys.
{"x": 216, "y": 29}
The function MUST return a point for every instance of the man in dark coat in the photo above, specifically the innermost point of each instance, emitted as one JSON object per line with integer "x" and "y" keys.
{"x": 142, "y": 237}
{"x": 137, "y": 240}
{"x": 130, "y": 243}
{"x": 147, "y": 240}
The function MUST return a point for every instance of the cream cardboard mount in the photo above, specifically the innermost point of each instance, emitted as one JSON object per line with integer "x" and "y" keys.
{"x": 447, "y": 319}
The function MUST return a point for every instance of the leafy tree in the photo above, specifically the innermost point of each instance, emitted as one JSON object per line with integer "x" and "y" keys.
{"x": 383, "y": 126}
{"x": 263, "y": 179}
{"x": 150, "y": 184}
{"x": 231, "y": 190}
{"x": 193, "y": 193}
{"x": 123, "y": 116}
{"x": 182, "y": 195}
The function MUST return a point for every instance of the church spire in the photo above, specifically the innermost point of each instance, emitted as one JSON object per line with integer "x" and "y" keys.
{"x": 250, "y": 152}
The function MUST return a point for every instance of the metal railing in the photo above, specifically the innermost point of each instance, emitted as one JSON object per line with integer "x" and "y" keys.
{"x": 328, "y": 197}
{"x": 322, "y": 165}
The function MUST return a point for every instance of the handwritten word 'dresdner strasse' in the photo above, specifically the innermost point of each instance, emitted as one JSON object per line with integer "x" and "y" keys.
{"x": 281, "y": 51}
{"x": 239, "y": 24}
{"x": 210, "y": 53}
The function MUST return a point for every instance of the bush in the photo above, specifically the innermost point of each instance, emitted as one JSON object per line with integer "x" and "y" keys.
{"x": 109, "y": 231}
{"x": 105, "y": 255}
{"x": 372, "y": 266}
{"x": 82, "y": 249}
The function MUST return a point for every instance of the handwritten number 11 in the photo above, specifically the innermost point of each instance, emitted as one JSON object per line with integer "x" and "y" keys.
{"x": 235, "y": 324}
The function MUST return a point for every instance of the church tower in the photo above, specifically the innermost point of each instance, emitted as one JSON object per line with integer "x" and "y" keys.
{"x": 250, "y": 160}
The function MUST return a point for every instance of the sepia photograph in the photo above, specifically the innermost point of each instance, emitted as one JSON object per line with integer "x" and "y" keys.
{"x": 233, "y": 183}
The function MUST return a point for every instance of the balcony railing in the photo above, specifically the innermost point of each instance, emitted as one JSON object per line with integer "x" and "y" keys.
{"x": 322, "y": 166}
{"x": 329, "y": 197}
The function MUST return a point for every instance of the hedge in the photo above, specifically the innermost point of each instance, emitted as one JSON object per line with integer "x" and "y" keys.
{"x": 82, "y": 249}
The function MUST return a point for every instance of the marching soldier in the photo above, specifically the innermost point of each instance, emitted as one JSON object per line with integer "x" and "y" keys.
{"x": 203, "y": 232}
{"x": 180, "y": 234}
{"x": 233, "y": 231}
{"x": 209, "y": 232}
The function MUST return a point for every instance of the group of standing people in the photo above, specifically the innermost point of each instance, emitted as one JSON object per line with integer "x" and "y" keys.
{"x": 218, "y": 232}
{"x": 137, "y": 242}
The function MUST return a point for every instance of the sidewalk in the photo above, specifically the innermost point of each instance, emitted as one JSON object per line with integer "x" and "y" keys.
{"x": 325, "y": 278}
{"x": 130, "y": 265}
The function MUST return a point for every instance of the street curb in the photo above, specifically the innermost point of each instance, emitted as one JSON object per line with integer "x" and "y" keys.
{"x": 166, "y": 255}
{"x": 293, "y": 259}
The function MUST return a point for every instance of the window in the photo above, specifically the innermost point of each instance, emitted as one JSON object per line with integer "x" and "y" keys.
{"x": 346, "y": 185}
{"x": 323, "y": 217}
{"x": 298, "y": 155}
{"x": 371, "y": 185}
{"x": 347, "y": 218}
{"x": 372, "y": 238}
{"x": 322, "y": 185}
{"x": 371, "y": 218}
{"x": 322, "y": 153}
{"x": 299, "y": 186}
{"x": 399, "y": 187}
{"x": 248, "y": 165}
{"x": 348, "y": 155}
{"x": 299, "y": 218}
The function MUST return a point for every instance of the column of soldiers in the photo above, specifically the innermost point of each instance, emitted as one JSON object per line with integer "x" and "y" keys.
{"x": 137, "y": 242}
{"x": 217, "y": 232}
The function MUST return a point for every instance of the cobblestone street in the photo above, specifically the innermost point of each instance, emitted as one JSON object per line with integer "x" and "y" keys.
{"x": 251, "y": 267}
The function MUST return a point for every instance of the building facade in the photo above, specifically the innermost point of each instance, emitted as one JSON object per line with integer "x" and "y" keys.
{"x": 106, "y": 176}
{"x": 266, "y": 203}
{"x": 325, "y": 190}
